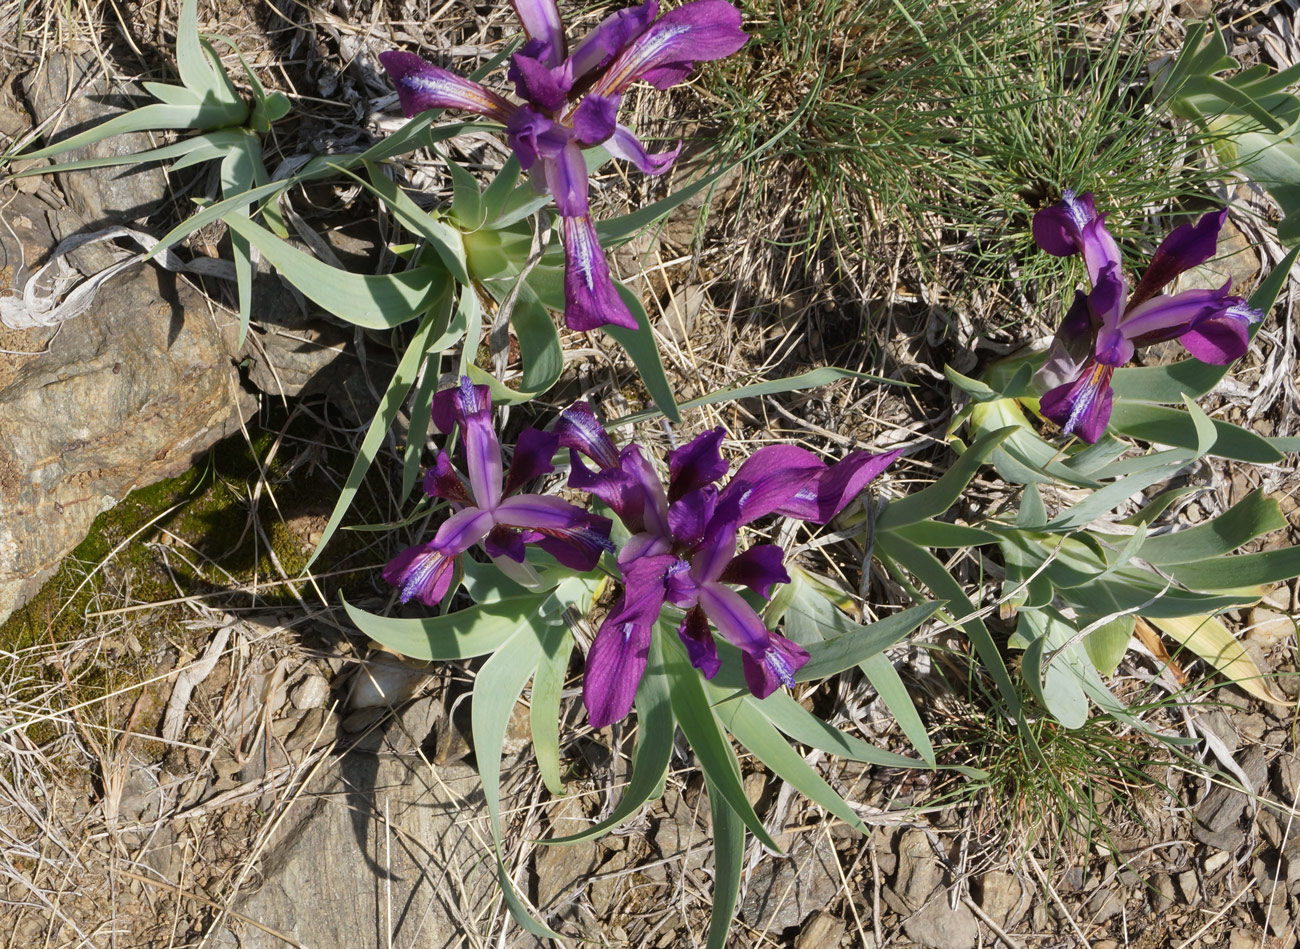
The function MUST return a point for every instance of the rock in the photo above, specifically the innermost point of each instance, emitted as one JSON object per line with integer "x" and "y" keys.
{"x": 310, "y": 693}
{"x": 333, "y": 874}
{"x": 918, "y": 869}
{"x": 676, "y": 835}
{"x": 784, "y": 891}
{"x": 1163, "y": 898}
{"x": 1188, "y": 886}
{"x": 132, "y": 391}
{"x": 1218, "y": 816}
{"x": 823, "y": 931}
{"x": 563, "y": 868}
{"x": 1240, "y": 939}
{"x": 1268, "y": 628}
{"x": 1001, "y": 897}
{"x": 940, "y": 927}
{"x": 68, "y": 88}
{"x": 1105, "y": 904}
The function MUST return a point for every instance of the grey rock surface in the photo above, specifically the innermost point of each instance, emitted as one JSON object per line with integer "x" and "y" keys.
{"x": 70, "y": 91}
{"x": 379, "y": 850}
{"x": 938, "y": 926}
{"x": 130, "y": 392}
{"x": 785, "y": 891}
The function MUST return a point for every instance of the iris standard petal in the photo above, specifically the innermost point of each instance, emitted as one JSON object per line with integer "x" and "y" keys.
{"x": 1082, "y": 407}
{"x": 718, "y": 546}
{"x": 422, "y": 86}
{"x": 776, "y": 666}
{"x": 689, "y": 517}
{"x": 615, "y": 664}
{"x": 619, "y": 490}
{"x": 697, "y": 463}
{"x": 582, "y": 537}
{"x": 1222, "y": 338}
{"x": 538, "y": 84}
{"x": 442, "y": 481}
{"x": 595, "y": 119}
{"x": 625, "y": 145}
{"x": 608, "y": 39}
{"x": 734, "y": 618}
{"x": 590, "y": 298}
{"x": 542, "y": 24}
{"x": 1098, "y": 247}
{"x": 769, "y": 478}
{"x": 760, "y": 568}
{"x": 534, "y": 451}
{"x": 1187, "y": 246}
{"x": 566, "y": 179}
{"x": 698, "y": 640}
{"x": 664, "y": 54}
{"x": 473, "y": 410}
{"x": 579, "y": 429}
{"x": 1058, "y": 229}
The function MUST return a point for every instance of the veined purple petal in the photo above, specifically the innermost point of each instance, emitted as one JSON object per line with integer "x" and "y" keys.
{"x": 595, "y": 119}
{"x": 619, "y": 490}
{"x": 538, "y": 84}
{"x": 590, "y": 298}
{"x": 1187, "y": 246}
{"x": 424, "y": 571}
{"x": 1169, "y": 317}
{"x": 422, "y": 86}
{"x": 579, "y": 429}
{"x": 664, "y": 54}
{"x": 610, "y": 38}
{"x": 1082, "y": 407}
{"x": 1058, "y": 229}
{"x": 533, "y": 137}
{"x": 645, "y": 586}
{"x": 775, "y": 667}
{"x": 473, "y": 410}
{"x": 688, "y": 517}
{"x": 769, "y": 478}
{"x": 1071, "y": 346}
{"x": 697, "y": 463}
{"x": 566, "y": 179}
{"x": 534, "y": 451}
{"x": 760, "y": 568}
{"x": 718, "y": 547}
{"x": 625, "y": 145}
{"x": 1099, "y": 249}
{"x": 1222, "y": 338}
{"x": 542, "y": 24}
{"x": 838, "y": 486}
{"x": 734, "y": 618}
{"x": 700, "y": 647}
{"x": 615, "y": 664}
{"x": 441, "y": 481}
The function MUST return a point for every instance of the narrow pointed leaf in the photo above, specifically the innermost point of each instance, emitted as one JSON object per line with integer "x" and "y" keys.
{"x": 476, "y": 631}
{"x": 544, "y": 710}
{"x": 640, "y": 346}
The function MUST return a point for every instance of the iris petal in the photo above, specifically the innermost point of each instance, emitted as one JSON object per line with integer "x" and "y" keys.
{"x": 615, "y": 664}
{"x": 1082, "y": 407}
{"x": 664, "y": 54}
{"x": 422, "y": 86}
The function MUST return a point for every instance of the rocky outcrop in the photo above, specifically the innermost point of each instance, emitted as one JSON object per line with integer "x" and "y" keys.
{"x": 128, "y": 393}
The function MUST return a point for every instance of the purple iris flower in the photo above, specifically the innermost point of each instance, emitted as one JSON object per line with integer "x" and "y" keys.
{"x": 489, "y": 509}
{"x": 1104, "y": 327}
{"x": 570, "y": 102}
{"x": 683, "y": 550}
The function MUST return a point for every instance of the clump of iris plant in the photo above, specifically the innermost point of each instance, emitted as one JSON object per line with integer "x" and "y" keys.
{"x": 570, "y": 103}
{"x": 683, "y": 550}
{"x": 1104, "y": 327}
{"x": 489, "y": 508}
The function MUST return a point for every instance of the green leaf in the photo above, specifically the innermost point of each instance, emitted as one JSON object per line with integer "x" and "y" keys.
{"x": 1054, "y": 681}
{"x": 544, "y": 713}
{"x": 753, "y": 730}
{"x": 539, "y": 345}
{"x": 941, "y": 495}
{"x": 497, "y": 688}
{"x": 1167, "y": 426}
{"x": 639, "y": 344}
{"x": 1107, "y": 498}
{"x": 943, "y": 534}
{"x": 442, "y": 237}
{"x": 369, "y": 300}
{"x": 1253, "y": 516}
{"x": 191, "y": 60}
{"x": 845, "y": 651}
{"x": 654, "y": 748}
{"x": 808, "y": 729}
{"x": 728, "y": 864}
{"x": 928, "y": 570}
{"x": 148, "y": 118}
{"x": 466, "y": 201}
{"x": 394, "y": 395}
{"x": 700, "y": 725}
{"x": 498, "y": 191}
{"x": 1107, "y": 644}
{"x": 1242, "y": 570}
{"x": 475, "y": 631}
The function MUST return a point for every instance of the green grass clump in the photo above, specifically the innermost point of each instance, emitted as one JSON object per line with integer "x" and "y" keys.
{"x": 948, "y": 124}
